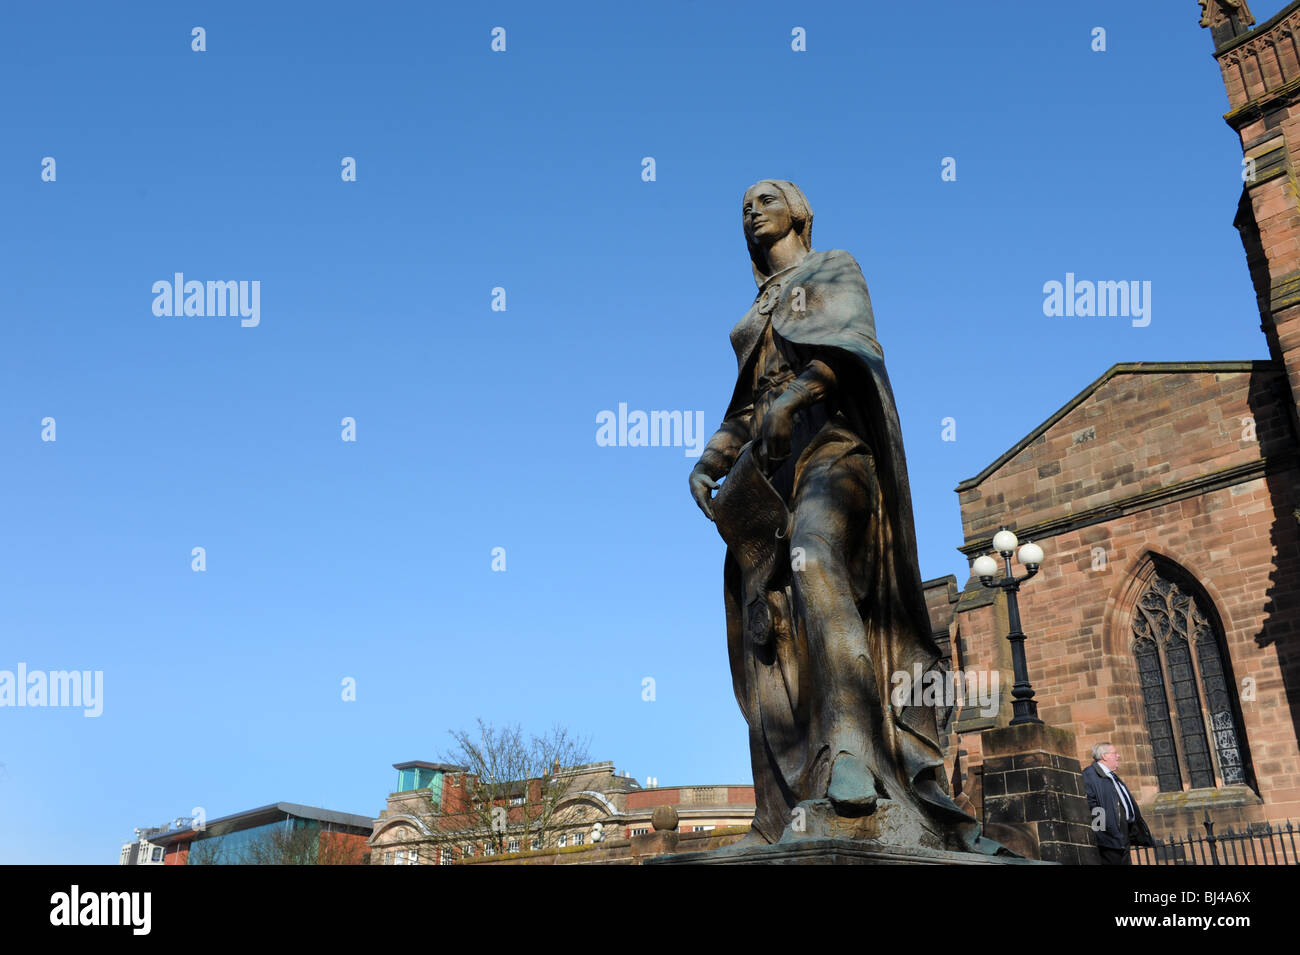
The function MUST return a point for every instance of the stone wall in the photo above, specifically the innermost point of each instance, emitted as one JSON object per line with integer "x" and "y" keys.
{"x": 1191, "y": 465}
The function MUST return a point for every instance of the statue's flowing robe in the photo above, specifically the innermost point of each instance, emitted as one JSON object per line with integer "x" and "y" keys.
{"x": 820, "y": 310}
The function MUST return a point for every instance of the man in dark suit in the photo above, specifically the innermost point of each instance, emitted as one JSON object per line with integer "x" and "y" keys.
{"x": 1116, "y": 819}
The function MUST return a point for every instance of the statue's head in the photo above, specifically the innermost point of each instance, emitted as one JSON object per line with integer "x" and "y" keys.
{"x": 771, "y": 210}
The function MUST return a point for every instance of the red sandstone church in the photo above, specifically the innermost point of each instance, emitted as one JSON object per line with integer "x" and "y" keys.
{"x": 1168, "y": 621}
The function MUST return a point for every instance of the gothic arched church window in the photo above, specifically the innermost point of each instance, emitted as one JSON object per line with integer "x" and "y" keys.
{"x": 1188, "y": 695}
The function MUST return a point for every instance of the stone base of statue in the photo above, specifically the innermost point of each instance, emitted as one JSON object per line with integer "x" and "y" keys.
{"x": 890, "y": 835}
{"x": 835, "y": 852}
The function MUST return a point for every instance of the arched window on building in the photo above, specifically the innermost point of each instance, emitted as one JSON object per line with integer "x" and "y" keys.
{"x": 1188, "y": 694}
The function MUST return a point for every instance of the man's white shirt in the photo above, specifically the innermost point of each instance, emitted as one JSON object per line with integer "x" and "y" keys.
{"x": 1125, "y": 798}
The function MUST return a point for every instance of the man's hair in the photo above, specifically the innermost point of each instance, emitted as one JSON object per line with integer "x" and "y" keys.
{"x": 1099, "y": 751}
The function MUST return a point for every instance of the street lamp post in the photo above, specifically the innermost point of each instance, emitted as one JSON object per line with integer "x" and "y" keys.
{"x": 1024, "y": 708}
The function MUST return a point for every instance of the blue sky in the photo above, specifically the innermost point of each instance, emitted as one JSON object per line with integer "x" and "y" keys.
{"x": 475, "y": 428}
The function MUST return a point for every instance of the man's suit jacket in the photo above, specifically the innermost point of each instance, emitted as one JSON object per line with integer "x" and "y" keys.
{"x": 1101, "y": 792}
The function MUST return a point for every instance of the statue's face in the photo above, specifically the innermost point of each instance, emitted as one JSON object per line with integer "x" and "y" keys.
{"x": 766, "y": 216}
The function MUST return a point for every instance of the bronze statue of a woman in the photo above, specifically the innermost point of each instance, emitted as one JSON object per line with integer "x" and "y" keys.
{"x": 823, "y": 593}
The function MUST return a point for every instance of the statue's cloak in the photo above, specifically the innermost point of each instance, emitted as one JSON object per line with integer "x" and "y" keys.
{"x": 836, "y": 317}
{"x": 822, "y": 307}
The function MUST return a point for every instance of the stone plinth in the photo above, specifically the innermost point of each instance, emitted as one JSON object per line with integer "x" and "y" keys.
{"x": 1034, "y": 801}
{"x": 834, "y": 852}
{"x": 654, "y": 843}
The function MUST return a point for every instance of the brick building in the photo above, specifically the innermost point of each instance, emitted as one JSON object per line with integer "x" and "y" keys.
{"x": 1166, "y": 618}
{"x": 431, "y": 818}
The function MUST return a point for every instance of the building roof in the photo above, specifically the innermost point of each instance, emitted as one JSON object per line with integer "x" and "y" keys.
{"x": 439, "y": 767}
{"x": 1123, "y": 368}
{"x": 260, "y": 817}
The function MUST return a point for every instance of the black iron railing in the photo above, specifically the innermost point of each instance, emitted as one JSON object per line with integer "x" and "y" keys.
{"x": 1266, "y": 844}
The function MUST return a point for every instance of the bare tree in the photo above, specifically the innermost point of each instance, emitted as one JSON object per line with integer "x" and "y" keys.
{"x": 338, "y": 848}
{"x": 514, "y": 782}
{"x": 204, "y": 852}
{"x": 285, "y": 843}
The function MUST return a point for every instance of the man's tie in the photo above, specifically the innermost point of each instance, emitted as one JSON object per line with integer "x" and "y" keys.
{"x": 1123, "y": 796}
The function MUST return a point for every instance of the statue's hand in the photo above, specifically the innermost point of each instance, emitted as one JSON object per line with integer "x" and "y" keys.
{"x": 777, "y": 424}
{"x": 702, "y": 488}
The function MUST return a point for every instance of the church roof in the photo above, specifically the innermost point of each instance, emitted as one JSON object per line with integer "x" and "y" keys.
{"x": 1123, "y": 368}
